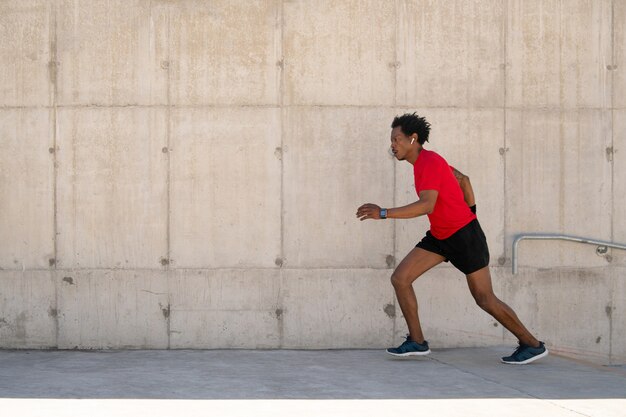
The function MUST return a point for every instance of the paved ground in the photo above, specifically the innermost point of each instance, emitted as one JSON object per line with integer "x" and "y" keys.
{"x": 275, "y": 383}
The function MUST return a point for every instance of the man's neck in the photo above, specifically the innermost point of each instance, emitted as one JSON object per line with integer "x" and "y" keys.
{"x": 413, "y": 158}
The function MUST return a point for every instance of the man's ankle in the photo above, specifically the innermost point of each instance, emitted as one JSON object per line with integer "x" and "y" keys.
{"x": 534, "y": 345}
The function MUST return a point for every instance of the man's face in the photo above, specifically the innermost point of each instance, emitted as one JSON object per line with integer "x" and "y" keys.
{"x": 400, "y": 143}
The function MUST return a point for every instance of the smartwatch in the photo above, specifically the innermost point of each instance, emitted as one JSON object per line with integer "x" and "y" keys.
{"x": 383, "y": 213}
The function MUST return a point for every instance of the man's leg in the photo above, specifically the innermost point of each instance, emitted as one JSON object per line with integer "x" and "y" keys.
{"x": 412, "y": 266}
{"x": 480, "y": 286}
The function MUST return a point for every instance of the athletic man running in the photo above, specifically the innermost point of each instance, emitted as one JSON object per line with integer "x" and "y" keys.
{"x": 455, "y": 235}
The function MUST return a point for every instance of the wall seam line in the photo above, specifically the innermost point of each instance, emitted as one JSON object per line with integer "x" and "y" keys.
{"x": 169, "y": 174}
{"x": 504, "y": 109}
{"x": 562, "y": 139}
{"x": 505, "y": 18}
{"x": 281, "y": 102}
{"x": 612, "y": 75}
{"x": 207, "y": 268}
{"x": 53, "y": 66}
{"x": 282, "y": 131}
{"x": 306, "y": 106}
{"x": 393, "y": 164}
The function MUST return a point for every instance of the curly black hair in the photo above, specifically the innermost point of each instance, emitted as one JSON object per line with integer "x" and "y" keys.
{"x": 412, "y": 123}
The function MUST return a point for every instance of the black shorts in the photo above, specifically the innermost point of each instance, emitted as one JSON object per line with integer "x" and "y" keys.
{"x": 466, "y": 249}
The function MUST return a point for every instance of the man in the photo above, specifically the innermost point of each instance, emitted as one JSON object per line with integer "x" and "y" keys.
{"x": 455, "y": 235}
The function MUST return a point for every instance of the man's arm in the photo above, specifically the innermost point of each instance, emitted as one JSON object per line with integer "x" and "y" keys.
{"x": 425, "y": 205}
{"x": 466, "y": 187}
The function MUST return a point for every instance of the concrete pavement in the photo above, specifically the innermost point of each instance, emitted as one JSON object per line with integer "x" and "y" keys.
{"x": 468, "y": 381}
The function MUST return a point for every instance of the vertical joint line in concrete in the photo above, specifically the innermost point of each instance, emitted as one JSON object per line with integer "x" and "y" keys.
{"x": 393, "y": 164}
{"x": 167, "y": 142}
{"x": 169, "y": 172}
{"x": 561, "y": 129}
{"x": 611, "y": 74}
{"x": 56, "y": 307}
{"x": 395, "y": 54}
{"x": 395, "y": 103}
{"x": 281, "y": 90}
{"x": 561, "y": 81}
{"x": 53, "y": 66}
{"x": 505, "y": 18}
{"x": 281, "y": 93}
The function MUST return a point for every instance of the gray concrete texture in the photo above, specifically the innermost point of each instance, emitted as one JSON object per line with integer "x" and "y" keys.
{"x": 185, "y": 174}
{"x": 449, "y": 382}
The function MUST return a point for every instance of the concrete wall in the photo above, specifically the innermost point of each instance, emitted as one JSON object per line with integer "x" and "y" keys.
{"x": 185, "y": 173}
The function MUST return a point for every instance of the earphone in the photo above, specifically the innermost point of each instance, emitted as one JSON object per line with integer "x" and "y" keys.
{"x": 412, "y": 140}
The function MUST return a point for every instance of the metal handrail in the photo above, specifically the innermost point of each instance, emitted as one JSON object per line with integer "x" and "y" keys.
{"x": 602, "y": 245}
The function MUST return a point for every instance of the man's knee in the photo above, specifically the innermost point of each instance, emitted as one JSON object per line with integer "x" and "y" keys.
{"x": 486, "y": 300}
{"x": 401, "y": 280}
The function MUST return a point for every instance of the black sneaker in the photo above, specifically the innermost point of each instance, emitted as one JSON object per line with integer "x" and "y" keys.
{"x": 526, "y": 354}
{"x": 410, "y": 348}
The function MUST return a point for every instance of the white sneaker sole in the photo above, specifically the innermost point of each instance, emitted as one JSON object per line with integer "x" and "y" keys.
{"x": 534, "y": 358}
{"x": 426, "y": 352}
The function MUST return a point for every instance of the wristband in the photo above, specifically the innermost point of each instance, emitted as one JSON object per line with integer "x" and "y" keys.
{"x": 383, "y": 213}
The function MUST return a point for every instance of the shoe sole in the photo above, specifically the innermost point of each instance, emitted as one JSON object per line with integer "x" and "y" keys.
{"x": 534, "y": 358}
{"x": 426, "y": 352}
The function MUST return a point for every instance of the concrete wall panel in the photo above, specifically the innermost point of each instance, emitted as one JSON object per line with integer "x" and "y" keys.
{"x": 471, "y": 141}
{"x": 111, "y": 53}
{"x": 336, "y": 159}
{"x": 587, "y": 172}
{"x": 450, "y": 53}
{"x": 550, "y": 304}
{"x": 101, "y": 309}
{"x": 339, "y": 52}
{"x": 28, "y": 310}
{"x": 551, "y": 62}
{"x": 225, "y": 52}
{"x": 448, "y": 313}
{"x": 25, "y": 53}
{"x": 226, "y": 187}
{"x": 533, "y": 39}
{"x": 558, "y": 181}
{"x": 226, "y": 309}
{"x": 589, "y": 84}
{"x": 337, "y": 308}
{"x": 26, "y": 189}
{"x": 112, "y": 188}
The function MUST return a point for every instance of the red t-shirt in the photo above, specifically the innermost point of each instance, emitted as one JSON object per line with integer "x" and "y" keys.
{"x": 451, "y": 213}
